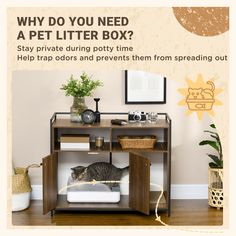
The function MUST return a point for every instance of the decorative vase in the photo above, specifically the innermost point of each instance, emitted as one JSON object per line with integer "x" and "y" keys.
{"x": 77, "y": 108}
{"x": 97, "y": 113}
{"x": 215, "y": 187}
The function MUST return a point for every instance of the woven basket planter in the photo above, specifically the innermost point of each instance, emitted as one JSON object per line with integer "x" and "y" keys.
{"x": 215, "y": 187}
{"x": 21, "y": 188}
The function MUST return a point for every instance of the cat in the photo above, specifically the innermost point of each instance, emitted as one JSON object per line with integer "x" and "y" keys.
{"x": 99, "y": 171}
{"x": 200, "y": 93}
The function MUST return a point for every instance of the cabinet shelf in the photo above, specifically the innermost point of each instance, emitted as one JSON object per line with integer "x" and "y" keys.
{"x": 159, "y": 147}
{"x": 93, "y": 148}
{"x": 123, "y": 205}
{"x": 106, "y": 123}
{"x": 116, "y": 147}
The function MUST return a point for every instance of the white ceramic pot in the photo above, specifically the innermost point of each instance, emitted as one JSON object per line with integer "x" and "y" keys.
{"x": 20, "y": 201}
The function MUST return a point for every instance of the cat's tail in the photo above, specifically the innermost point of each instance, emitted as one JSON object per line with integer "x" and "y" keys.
{"x": 211, "y": 84}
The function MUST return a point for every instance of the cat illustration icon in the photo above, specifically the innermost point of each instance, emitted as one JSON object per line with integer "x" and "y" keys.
{"x": 201, "y": 98}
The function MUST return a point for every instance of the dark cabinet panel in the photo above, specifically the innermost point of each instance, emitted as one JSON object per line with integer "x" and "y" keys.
{"x": 139, "y": 183}
{"x": 49, "y": 183}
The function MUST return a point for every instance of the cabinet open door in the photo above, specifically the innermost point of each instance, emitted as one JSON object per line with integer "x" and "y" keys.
{"x": 49, "y": 183}
{"x": 139, "y": 183}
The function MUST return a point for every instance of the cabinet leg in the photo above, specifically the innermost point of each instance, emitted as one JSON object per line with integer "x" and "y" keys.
{"x": 110, "y": 158}
{"x": 169, "y": 212}
{"x": 52, "y": 213}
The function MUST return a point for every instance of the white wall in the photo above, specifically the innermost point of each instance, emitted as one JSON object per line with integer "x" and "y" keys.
{"x": 37, "y": 95}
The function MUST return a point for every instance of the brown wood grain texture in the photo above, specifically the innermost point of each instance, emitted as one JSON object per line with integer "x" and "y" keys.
{"x": 49, "y": 183}
{"x": 139, "y": 183}
{"x": 106, "y": 123}
{"x": 123, "y": 205}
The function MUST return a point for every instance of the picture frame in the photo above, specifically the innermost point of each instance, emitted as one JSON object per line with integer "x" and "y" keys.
{"x": 144, "y": 88}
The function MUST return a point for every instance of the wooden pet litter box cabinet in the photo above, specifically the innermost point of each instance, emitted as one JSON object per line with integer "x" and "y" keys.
{"x": 140, "y": 197}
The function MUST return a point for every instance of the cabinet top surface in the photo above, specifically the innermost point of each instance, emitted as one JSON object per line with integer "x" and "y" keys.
{"x": 106, "y": 123}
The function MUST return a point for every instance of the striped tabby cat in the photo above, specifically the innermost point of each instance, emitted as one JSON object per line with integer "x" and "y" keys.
{"x": 99, "y": 171}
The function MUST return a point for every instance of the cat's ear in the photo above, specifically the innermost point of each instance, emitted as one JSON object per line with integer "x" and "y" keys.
{"x": 73, "y": 168}
{"x": 190, "y": 90}
{"x": 78, "y": 168}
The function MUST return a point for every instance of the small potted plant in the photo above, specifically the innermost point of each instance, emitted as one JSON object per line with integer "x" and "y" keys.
{"x": 215, "y": 171}
{"x": 79, "y": 89}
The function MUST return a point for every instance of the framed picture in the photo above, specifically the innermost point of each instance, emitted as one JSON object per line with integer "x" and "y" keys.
{"x": 144, "y": 88}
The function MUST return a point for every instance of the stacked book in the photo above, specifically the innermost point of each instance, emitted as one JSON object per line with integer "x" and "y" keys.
{"x": 75, "y": 142}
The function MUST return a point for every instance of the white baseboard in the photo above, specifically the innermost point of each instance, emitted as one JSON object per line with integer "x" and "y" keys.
{"x": 178, "y": 191}
{"x": 189, "y": 191}
{"x": 37, "y": 192}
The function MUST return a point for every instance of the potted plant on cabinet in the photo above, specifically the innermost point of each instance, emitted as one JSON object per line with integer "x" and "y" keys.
{"x": 79, "y": 89}
{"x": 215, "y": 170}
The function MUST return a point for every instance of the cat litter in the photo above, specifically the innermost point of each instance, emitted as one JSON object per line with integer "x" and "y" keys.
{"x": 93, "y": 193}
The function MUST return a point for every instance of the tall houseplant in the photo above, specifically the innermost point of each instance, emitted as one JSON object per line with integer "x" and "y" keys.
{"x": 79, "y": 89}
{"x": 217, "y": 160}
{"x": 215, "y": 170}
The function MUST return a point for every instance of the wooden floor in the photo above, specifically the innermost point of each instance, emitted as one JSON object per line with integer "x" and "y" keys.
{"x": 184, "y": 212}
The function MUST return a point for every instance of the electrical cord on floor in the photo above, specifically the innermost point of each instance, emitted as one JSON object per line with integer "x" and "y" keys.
{"x": 158, "y": 218}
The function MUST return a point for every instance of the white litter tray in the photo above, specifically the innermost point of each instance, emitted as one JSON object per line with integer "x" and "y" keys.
{"x": 92, "y": 193}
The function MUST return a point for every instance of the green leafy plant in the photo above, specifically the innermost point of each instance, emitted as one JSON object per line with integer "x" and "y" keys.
{"x": 216, "y": 144}
{"x": 81, "y": 87}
